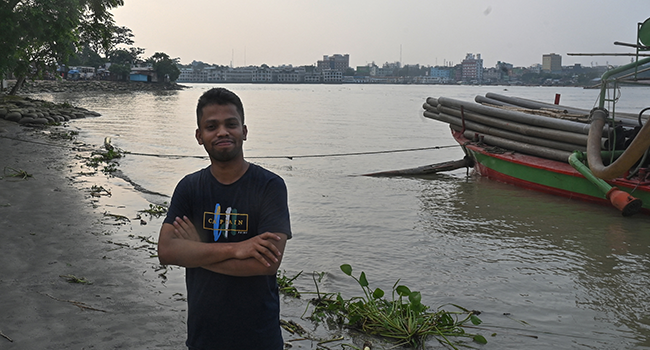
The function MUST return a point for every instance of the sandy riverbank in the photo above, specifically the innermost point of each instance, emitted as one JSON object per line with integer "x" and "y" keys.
{"x": 53, "y": 229}
{"x": 49, "y": 230}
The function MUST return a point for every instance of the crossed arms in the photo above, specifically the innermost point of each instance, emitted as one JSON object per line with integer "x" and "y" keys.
{"x": 179, "y": 244}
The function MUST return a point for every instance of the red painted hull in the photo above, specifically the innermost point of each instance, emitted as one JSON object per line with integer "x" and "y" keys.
{"x": 544, "y": 175}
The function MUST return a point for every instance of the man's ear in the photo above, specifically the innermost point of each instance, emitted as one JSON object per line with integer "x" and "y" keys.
{"x": 198, "y": 136}
{"x": 244, "y": 131}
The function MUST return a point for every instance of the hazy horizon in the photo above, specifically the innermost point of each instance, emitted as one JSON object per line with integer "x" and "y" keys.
{"x": 421, "y": 32}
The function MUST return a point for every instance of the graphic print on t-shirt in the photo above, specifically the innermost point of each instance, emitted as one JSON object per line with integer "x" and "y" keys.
{"x": 227, "y": 222}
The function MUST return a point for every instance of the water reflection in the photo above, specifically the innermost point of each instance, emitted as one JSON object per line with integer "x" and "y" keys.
{"x": 543, "y": 258}
{"x": 573, "y": 274}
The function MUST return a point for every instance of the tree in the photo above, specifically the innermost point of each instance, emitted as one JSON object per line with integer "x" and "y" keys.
{"x": 121, "y": 71}
{"x": 122, "y": 59}
{"x": 103, "y": 39}
{"x": 165, "y": 67}
{"x": 36, "y": 35}
{"x": 86, "y": 57}
{"x": 124, "y": 56}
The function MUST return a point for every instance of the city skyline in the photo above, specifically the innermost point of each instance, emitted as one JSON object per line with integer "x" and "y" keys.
{"x": 412, "y": 32}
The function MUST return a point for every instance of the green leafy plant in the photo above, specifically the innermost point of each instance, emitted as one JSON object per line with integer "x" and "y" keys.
{"x": 285, "y": 284}
{"x": 110, "y": 168}
{"x": 155, "y": 209}
{"x": 330, "y": 307}
{"x": 97, "y": 191}
{"x": 403, "y": 318}
{"x": 62, "y": 135}
{"x": 108, "y": 156}
{"x": 75, "y": 279}
{"x": 16, "y": 173}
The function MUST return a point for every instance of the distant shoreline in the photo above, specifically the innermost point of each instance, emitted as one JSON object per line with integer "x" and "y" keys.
{"x": 56, "y": 86}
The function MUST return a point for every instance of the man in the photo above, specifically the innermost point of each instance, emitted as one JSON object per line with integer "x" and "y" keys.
{"x": 228, "y": 225}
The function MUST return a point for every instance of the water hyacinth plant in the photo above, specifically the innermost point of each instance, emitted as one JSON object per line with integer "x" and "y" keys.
{"x": 403, "y": 318}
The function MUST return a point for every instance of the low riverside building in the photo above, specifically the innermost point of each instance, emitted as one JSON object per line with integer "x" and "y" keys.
{"x": 289, "y": 76}
{"x": 143, "y": 73}
{"x": 332, "y": 76}
{"x": 264, "y": 74}
{"x": 239, "y": 75}
{"x": 440, "y": 75}
{"x": 335, "y": 62}
{"x": 193, "y": 75}
{"x": 328, "y": 70}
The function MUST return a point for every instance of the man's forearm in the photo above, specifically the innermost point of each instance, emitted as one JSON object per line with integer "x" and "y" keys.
{"x": 243, "y": 268}
{"x": 189, "y": 253}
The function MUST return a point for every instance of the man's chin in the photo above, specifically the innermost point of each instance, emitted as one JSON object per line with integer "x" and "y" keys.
{"x": 224, "y": 156}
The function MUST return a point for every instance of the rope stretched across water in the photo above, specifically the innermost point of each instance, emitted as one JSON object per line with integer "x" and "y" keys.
{"x": 305, "y": 155}
{"x": 254, "y": 157}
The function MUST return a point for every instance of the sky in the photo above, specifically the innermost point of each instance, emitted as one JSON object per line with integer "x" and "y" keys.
{"x": 425, "y": 32}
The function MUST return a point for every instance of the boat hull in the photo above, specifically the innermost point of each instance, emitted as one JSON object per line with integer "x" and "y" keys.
{"x": 545, "y": 175}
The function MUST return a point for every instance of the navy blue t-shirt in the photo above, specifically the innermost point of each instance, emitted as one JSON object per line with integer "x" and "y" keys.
{"x": 228, "y": 312}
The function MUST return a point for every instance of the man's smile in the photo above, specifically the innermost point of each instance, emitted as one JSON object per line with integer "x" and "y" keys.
{"x": 223, "y": 143}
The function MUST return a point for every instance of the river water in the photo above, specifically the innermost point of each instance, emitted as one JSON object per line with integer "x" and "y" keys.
{"x": 546, "y": 272}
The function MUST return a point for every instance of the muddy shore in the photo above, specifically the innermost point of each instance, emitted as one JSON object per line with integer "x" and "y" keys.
{"x": 52, "y": 237}
{"x": 78, "y": 268}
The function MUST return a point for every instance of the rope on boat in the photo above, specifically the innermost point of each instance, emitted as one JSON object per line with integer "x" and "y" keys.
{"x": 258, "y": 157}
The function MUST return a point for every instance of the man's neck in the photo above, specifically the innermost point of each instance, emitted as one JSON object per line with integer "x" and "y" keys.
{"x": 229, "y": 172}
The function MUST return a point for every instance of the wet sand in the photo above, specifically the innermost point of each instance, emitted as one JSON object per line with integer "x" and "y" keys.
{"x": 53, "y": 230}
{"x": 50, "y": 229}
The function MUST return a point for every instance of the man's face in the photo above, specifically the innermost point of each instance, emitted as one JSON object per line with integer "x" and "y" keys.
{"x": 221, "y": 132}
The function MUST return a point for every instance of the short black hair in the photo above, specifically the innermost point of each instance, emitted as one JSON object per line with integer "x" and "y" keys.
{"x": 219, "y": 96}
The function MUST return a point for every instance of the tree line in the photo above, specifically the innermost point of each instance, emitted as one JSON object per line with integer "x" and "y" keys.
{"x": 37, "y": 36}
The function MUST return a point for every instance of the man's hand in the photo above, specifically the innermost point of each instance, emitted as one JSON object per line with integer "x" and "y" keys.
{"x": 180, "y": 244}
{"x": 256, "y": 256}
{"x": 184, "y": 229}
{"x": 261, "y": 248}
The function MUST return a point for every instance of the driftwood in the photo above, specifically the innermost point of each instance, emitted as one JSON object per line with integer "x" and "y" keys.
{"x": 81, "y": 305}
{"x": 6, "y": 337}
{"x": 466, "y": 162}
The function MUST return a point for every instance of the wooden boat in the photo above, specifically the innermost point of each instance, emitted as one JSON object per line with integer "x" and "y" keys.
{"x": 558, "y": 149}
{"x": 600, "y": 155}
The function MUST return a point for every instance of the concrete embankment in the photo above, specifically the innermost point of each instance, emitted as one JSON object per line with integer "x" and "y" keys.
{"x": 25, "y": 110}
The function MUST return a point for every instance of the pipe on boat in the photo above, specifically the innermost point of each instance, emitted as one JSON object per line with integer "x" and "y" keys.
{"x": 430, "y": 108}
{"x": 623, "y": 201}
{"x": 610, "y": 73}
{"x": 579, "y": 140}
{"x": 431, "y": 102}
{"x": 531, "y": 104}
{"x": 490, "y": 101}
{"x": 623, "y": 118}
{"x": 489, "y": 130}
{"x": 510, "y": 145}
{"x": 631, "y": 155}
{"x": 521, "y": 117}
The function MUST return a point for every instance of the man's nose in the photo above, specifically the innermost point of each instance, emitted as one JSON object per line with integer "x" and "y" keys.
{"x": 222, "y": 130}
